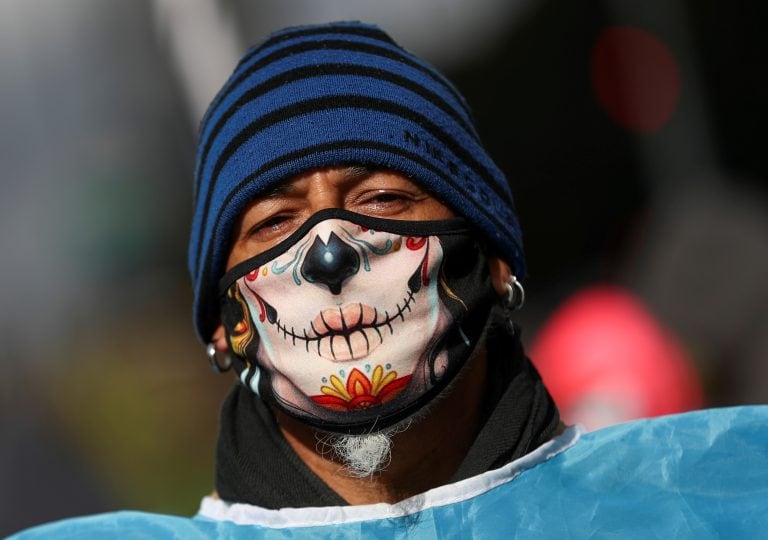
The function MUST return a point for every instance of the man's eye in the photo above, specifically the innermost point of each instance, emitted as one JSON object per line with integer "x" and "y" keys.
{"x": 388, "y": 197}
{"x": 384, "y": 203}
{"x": 273, "y": 224}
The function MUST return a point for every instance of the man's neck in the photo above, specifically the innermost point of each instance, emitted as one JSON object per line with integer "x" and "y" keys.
{"x": 424, "y": 456}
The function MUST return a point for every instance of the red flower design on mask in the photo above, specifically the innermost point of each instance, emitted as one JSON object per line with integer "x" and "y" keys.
{"x": 360, "y": 392}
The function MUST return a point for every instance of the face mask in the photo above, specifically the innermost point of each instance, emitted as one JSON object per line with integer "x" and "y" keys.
{"x": 353, "y": 323}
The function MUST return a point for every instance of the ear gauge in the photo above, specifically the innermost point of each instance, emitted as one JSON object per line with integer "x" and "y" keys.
{"x": 515, "y": 294}
{"x": 218, "y": 366}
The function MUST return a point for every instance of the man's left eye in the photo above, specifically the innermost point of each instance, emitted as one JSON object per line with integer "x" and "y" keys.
{"x": 388, "y": 204}
{"x": 387, "y": 197}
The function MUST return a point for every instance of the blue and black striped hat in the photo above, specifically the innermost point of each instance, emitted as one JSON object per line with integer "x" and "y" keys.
{"x": 336, "y": 94}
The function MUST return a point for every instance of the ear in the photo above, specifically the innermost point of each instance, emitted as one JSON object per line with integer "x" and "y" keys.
{"x": 219, "y": 339}
{"x": 500, "y": 274}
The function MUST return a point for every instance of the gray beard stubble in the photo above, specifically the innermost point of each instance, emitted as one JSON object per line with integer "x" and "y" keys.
{"x": 371, "y": 453}
{"x": 363, "y": 455}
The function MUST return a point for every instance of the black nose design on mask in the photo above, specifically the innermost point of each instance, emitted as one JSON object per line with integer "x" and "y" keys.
{"x": 331, "y": 263}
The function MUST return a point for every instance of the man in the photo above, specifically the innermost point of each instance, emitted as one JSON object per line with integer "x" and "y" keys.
{"x": 430, "y": 432}
{"x": 340, "y": 117}
{"x": 355, "y": 256}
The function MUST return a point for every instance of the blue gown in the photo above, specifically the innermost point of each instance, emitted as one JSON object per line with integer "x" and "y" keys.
{"x": 696, "y": 475}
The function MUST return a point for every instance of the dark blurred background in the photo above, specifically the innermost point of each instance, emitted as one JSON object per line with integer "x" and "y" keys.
{"x": 632, "y": 134}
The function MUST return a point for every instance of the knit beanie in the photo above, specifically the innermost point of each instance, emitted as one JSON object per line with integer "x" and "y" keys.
{"x": 330, "y": 95}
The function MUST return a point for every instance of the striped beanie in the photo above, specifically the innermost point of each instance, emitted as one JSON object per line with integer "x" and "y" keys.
{"x": 336, "y": 94}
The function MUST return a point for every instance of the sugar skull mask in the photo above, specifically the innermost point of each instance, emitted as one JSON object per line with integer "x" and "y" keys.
{"x": 353, "y": 323}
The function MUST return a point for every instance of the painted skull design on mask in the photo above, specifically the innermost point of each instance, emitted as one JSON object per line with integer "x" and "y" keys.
{"x": 354, "y": 322}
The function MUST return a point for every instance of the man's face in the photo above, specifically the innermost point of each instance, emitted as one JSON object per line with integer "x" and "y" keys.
{"x": 272, "y": 217}
{"x": 352, "y": 323}
{"x": 347, "y": 317}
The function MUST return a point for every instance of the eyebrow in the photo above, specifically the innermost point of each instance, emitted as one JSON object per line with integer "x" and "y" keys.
{"x": 279, "y": 189}
{"x": 353, "y": 172}
{"x": 357, "y": 171}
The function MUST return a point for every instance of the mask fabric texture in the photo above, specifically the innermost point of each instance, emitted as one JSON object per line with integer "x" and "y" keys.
{"x": 354, "y": 323}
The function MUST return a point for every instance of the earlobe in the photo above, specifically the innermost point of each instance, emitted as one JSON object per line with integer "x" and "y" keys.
{"x": 500, "y": 274}
{"x": 219, "y": 339}
{"x": 506, "y": 284}
{"x": 217, "y": 351}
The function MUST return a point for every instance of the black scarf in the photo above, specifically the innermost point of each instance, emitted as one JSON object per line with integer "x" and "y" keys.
{"x": 256, "y": 465}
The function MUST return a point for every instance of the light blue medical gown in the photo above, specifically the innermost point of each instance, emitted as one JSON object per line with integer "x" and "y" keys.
{"x": 696, "y": 475}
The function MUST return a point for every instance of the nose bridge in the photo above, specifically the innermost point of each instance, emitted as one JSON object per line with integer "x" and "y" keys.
{"x": 323, "y": 192}
{"x": 325, "y": 228}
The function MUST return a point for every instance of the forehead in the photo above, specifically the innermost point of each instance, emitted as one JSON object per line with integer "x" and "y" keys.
{"x": 343, "y": 178}
{"x": 361, "y": 189}
{"x": 339, "y": 177}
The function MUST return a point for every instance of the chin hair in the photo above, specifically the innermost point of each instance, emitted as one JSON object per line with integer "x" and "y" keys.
{"x": 362, "y": 455}
{"x": 371, "y": 453}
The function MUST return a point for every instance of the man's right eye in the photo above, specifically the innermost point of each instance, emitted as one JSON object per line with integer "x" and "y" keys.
{"x": 270, "y": 226}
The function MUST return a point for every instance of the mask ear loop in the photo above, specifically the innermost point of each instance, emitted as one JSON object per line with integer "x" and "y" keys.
{"x": 216, "y": 366}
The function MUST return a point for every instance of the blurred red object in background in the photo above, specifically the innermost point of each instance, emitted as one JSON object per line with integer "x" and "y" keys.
{"x": 605, "y": 359}
{"x": 636, "y": 78}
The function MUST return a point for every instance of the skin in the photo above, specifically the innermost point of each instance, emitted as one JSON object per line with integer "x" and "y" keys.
{"x": 427, "y": 454}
